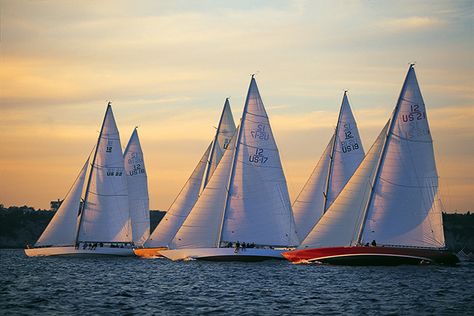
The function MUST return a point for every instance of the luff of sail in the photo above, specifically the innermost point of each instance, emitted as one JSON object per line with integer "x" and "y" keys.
{"x": 225, "y": 131}
{"x": 181, "y": 206}
{"x": 137, "y": 190}
{"x": 338, "y": 163}
{"x": 404, "y": 209}
{"x": 258, "y": 208}
{"x": 105, "y": 216}
{"x": 340, "y": 224}
{"x": 62, "y": 229}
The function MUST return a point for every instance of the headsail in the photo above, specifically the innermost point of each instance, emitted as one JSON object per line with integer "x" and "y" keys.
{"x": 341, "y": 223}
{"x": 404, "y": 208}
{"x": 224, "y": 133}
{"x": 137, "y": 189}
{"x": 338, "y": 163}
{"x": 182, "y": 205}
{"x": 201, "y": 227}
{"x": 105, "y": 216}
{"x": 61, "y": 230}
{"x": 258, "y": 207}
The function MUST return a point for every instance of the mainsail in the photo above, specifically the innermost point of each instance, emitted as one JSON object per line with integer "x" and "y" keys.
{"x": 247, "y": 198}
{"x": 404, "y": 208}
{"x": 184, "y": 202}
{"x": 105, "y": 216}
{"x": 392, "y": 197}
{"x": 137, "y": 189}
{"x": 340, "y": 159}
{"x": 61, "y": 230}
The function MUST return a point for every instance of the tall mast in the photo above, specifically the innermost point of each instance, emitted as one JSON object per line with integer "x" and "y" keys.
{"x": 234, "y": 159}
{"x": 331, "y": 157}
{"x": 90, "y": 174}
{"x": 382, "y": 156}
{"x": 211, "y": 154}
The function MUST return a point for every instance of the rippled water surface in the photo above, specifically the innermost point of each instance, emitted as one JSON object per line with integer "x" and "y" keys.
{"x": 108, "y": 285}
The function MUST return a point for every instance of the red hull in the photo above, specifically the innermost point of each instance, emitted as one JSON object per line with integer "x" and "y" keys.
{"x": 371, "y": 256}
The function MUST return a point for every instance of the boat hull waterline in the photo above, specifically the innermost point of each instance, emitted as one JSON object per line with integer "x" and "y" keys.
{"x": 149, "y": 252}
{"x": 73, "y": 251}
{"x": 359, "y": 255}
{"x": 223, "y": 254}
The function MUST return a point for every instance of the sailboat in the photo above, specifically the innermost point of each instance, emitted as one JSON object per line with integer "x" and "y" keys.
{"x": 182, "y": 205}
{"x": 103, "y": 225}
{"x": 389, "y": 212}
{"x": 137, "y": 190}
{"x": 244, "y": 212}
{"x": 340, "y": 159}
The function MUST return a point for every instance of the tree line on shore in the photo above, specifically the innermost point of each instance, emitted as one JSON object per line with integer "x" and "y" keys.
{"x": 22, "y": 225}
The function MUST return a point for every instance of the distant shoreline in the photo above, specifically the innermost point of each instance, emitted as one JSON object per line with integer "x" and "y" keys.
{"x": 22, "y": 225}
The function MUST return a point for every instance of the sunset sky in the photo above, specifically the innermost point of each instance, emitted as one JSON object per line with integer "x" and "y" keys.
{"x": 167, "y": 67}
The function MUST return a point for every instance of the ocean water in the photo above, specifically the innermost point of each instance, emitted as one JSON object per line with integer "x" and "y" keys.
{"x": 134, "y": 286}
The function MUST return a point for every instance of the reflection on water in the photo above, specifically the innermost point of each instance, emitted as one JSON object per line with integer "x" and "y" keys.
{"x": 54, "y": 285}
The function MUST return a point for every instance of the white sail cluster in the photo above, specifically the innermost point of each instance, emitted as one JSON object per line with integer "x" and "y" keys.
{"x": 238, "y": 192}
{"x": 392, "y": 198}
{"x": 114, "y": 207}
{"x": 247, "y": 198}
{"x": 186, "y": 199}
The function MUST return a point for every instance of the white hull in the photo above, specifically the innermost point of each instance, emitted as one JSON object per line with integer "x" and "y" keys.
{"x": 223, "y": 254}
{"x": 72, "y": 251}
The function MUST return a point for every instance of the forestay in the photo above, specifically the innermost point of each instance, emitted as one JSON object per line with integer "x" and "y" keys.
{"x": 62, "y": 229}
{"x": 105, "y": 216}
{"x": 137, "y": 190}
{"x": 404, "y": 209}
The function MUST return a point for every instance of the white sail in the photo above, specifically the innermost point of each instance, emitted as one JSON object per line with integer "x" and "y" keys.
{"x": 309, "y": 205}
{"x": 224, "y": 133}
{"x": 347, "y": 154}
{"x": 137, "y": 189}
{"x": 182, "y": 205}
{"x": 404, "y": 208}
{"x": 201, "y": 227}
{"x": 105, "y": 216}
{"x": 258, "y": 208}
{"x": 62, "y": 229}
{"x": 341, "y": 223}
{"x": 338, "y": 163}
